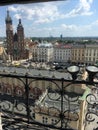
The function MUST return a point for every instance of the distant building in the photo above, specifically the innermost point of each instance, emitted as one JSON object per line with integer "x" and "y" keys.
{"x": 62, "y": 53}
{"x": 78, "y": 54}
{"x": 15, "y": 42}
{"x": 91, "y": 54}
{"x": 42, "y": 52}
{"x": 45, "y": 52}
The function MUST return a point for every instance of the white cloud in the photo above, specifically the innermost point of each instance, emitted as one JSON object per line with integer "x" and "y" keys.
{"x": 69, "y": 27}
{"x": 35, "y": 12}
{"x": 48, "y": 12}
{"x": 83, "y": 8}
{"x": 80, "y": 30}
{"x": 45, "y": 20}
{"x": 17, "y": 16}
{"x": 12, "y": 8}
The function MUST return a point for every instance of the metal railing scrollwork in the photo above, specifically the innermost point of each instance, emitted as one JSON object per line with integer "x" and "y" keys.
{"x": 39, "y": 102}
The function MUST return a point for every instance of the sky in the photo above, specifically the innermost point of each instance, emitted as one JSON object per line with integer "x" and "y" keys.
{"x": 71, "y": 18}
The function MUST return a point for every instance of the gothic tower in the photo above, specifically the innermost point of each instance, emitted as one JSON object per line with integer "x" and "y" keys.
{"x": 9, "y": 34}
{"x": 20, "y": 34}
{"x": 15, "y": 42}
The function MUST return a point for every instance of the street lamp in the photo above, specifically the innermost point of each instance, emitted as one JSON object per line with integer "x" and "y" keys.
{"x": 73, "y": 70}
{"x": 92, "y": 71}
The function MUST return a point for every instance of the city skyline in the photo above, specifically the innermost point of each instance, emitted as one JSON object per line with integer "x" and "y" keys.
{"x": 71, "y": 19}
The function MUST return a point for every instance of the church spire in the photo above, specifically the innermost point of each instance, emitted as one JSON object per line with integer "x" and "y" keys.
{"x": 19, "y": 21}
{"x": 20, "y": 24}
{"x": 8, "y": 18}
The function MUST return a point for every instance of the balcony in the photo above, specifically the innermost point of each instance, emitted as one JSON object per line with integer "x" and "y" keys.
{"x": 47, "y": 102}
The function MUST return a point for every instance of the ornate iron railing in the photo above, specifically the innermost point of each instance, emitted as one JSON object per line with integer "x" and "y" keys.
{"x": 37, "y": 102}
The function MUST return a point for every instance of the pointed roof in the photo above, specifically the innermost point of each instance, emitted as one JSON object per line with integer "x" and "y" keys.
{"x": 20, "y": 24}
{"x": 8, "y": 18}
{"x": 15, "y": 37}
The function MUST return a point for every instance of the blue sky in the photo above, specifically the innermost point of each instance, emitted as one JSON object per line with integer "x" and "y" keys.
{"x": 71, "y": 18}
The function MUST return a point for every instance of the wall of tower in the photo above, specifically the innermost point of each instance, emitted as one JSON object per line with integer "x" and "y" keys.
{"x": 9, "y": 34}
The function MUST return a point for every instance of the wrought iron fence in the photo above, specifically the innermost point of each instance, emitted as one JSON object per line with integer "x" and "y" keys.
{"x": 37, "y": 102}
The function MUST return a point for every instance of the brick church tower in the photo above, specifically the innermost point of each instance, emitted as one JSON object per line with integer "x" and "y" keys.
{"x": 9, "y": 34}
{"x": 15, "y": 42}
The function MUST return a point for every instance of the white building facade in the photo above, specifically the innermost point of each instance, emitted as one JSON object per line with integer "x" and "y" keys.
{"x": 45, "y": 52}
{"x": 42, "y": 52}
{"x": 62, "y": 53}
{"x": 91, "y": 54}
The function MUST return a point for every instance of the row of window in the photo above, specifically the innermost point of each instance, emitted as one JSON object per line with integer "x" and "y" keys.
{"x": 85, "y": 59}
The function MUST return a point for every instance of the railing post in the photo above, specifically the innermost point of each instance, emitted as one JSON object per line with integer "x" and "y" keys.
{"x": 62, "y": 111}
{"x": 27, "y": 97}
